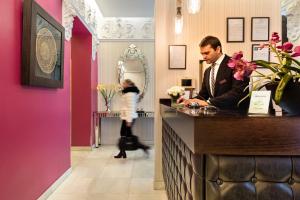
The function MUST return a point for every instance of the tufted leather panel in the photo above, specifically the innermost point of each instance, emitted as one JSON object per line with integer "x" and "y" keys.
{"x": 252, "y": 177}
{"x": 219, "y": 177}
{"x": 182, "y": 170}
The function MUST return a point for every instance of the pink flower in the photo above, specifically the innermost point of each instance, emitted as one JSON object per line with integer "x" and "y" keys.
{"x": 250, "y": 68}
{"x": 286, "y": 47}
{"x": 239, "y": 75}
{"x": 296, "y": 51}
{"x": 238, "y": 55}
{"x": 241, "y": 67}
{"x": 231, "y": 64}
{"x": 275, "y": 38}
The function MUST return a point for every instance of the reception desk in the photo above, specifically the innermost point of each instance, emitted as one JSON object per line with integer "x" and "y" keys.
{"x": 228, "y": 155}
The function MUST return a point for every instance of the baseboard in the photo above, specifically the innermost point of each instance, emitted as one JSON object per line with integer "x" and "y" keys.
{"x": 81, "y": 148}
{"x": 55, "y": 185}
{"x": 159, "y": 185}
{"x": 148, "y": 142}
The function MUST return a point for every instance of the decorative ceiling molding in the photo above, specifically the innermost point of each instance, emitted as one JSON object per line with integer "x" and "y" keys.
{"x": 291, "y": 9}
{"x": 88, "y": 14}
{"x": 68, "y": 17}
{"x": 126, "y": 28}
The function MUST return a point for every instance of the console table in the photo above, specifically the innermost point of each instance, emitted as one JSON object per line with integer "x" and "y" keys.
{"x": 228, "y": 155}
{"x": 113, "y": 114}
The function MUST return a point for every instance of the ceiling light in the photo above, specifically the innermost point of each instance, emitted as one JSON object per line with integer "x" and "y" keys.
{"x": 178, "y": 20}
{"x": 193, "y": 6}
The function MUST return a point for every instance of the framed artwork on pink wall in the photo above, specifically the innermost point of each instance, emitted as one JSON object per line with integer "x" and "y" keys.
{"x": 42, "y": 48}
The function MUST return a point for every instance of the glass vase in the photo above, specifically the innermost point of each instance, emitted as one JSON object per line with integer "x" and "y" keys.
{"x": 107, "y": 105}
{"x": 174, "y": 101}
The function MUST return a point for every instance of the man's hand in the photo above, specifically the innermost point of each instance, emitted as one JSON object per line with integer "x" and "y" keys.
{"x": 180, "y": 99}
{"x": 200, "y": 102}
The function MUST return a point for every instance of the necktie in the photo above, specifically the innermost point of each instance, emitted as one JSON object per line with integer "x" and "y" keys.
{"x": 212, "y": 79}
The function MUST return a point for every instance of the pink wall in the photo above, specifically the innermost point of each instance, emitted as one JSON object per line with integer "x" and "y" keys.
{"x": 84, "y": 79}
{"x": 34, "y": 122}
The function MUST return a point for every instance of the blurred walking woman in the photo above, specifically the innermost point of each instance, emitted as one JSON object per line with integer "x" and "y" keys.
{"x": 128, "y": 114}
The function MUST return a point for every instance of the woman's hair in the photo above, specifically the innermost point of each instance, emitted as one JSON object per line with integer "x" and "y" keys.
{"x": 129, "y": 82}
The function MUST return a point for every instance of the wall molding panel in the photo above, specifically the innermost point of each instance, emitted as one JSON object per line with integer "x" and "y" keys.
{"x": 126, "y": 29}
{"x": 291, "y": 9}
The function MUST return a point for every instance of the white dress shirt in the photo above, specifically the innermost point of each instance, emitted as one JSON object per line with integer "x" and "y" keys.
{"x": 216, "y": 68}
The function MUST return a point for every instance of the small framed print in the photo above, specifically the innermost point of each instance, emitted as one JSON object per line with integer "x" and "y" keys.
{"x": 177, "y": 56}
{"x": 260, "y": 28}
{"x": 235, "y": 29}
{"x": 260, "y": 53}
{"x": 42, "y": 48}
{"x": 188, "y": 93}
{"x": 259, "y": 102}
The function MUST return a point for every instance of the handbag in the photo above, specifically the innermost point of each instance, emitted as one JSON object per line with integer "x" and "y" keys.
{"x": 129, "y": 143}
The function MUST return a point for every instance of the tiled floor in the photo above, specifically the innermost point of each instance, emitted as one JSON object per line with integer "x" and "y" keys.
{"x": 96, "y": 175}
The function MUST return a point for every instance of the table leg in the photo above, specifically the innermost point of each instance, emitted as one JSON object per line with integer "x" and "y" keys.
{"x": 97, "y": 127}
{"x": 96, "y": 136}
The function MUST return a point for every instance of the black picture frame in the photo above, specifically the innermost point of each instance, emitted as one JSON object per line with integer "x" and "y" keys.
{"x": 264, "y": 55}
{"x": 235, "y": 29}
{"x": 42, "y": 48}
{"x": 177, "y": 57}
{"x": 262, "y": 26}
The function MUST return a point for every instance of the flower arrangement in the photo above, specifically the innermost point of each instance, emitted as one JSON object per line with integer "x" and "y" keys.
{"x": 175, "y": 91}
{"x": 286, "y": 70}
{"x": 108, "y": 91}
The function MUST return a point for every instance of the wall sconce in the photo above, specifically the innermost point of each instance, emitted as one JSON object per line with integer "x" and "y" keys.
{"x": 193, "y": 6}
{"x": 178, "y": 21}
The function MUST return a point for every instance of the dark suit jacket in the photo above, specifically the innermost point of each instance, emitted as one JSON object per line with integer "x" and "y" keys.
{"x": 228, "y": 90}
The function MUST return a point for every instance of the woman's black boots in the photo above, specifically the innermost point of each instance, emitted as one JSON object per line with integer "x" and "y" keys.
{"x": 122, "y": 154}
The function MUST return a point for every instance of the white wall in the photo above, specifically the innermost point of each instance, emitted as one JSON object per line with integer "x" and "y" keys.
{"x": 109, "y": 53}
{"x": 211, "y": 20}
{"x": 108, "y": 56}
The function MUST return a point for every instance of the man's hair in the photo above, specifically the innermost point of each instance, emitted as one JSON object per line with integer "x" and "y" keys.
{"x": 214, "y": 42}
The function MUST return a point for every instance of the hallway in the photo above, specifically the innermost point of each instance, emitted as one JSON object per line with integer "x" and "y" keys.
{"x": 96, "y": 175}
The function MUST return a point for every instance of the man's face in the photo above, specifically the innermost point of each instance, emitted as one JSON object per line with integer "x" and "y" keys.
{"x": 209, "y": 54}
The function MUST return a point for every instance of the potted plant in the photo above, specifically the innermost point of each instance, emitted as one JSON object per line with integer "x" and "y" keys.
{"x": 283, "y": 76}
{"x": 108, "y": 91}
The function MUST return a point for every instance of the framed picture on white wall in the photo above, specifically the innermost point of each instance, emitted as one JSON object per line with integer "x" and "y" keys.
{"x": 235, "y": 29}
{"x": 260, "y": 53}
{"x": 260, "y": 28}
{"x": 177, "y": 56}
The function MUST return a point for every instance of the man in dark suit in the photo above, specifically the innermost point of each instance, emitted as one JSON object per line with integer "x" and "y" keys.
{"x": 219, "y": 87}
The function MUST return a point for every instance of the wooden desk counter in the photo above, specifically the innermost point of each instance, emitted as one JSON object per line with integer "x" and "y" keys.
{"x": 229, "y": 155}
{"x": 230, "y": 132}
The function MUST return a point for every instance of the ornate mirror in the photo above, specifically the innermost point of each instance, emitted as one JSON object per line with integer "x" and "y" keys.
{"x": 133, "y": 65}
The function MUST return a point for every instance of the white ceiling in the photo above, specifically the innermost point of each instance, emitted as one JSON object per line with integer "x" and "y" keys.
{"x": 126, "y": 8}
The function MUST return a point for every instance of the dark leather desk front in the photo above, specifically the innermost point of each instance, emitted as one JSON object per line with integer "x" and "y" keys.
{"x": 230, "y": 156}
